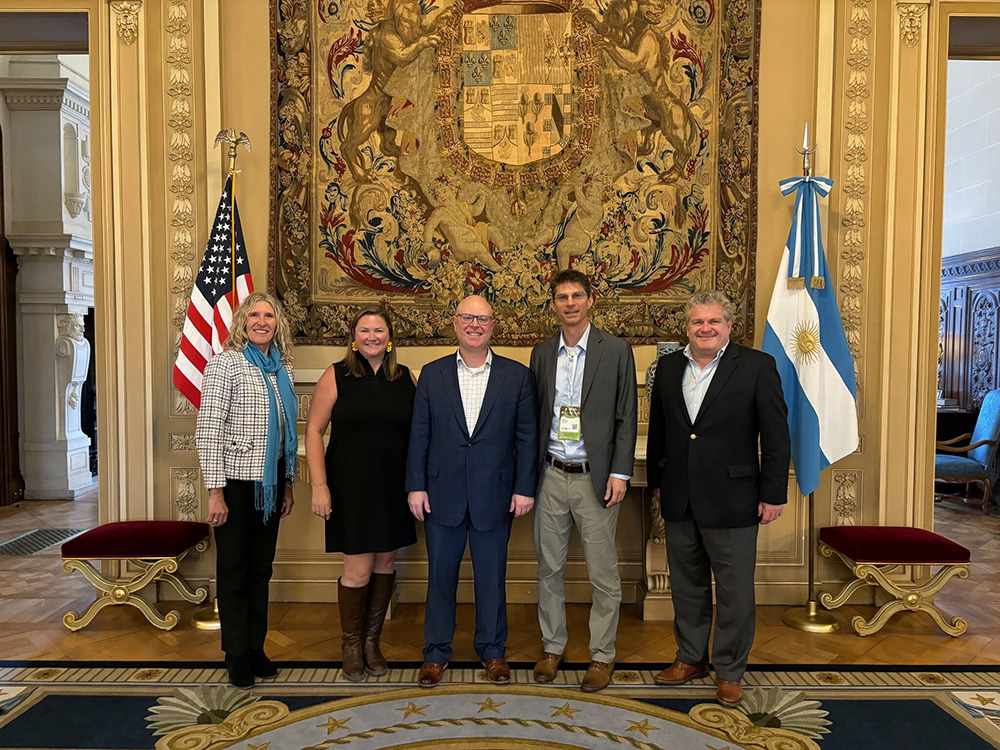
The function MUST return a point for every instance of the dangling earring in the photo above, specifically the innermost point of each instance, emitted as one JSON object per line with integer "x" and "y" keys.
{"x": 354, "y": 346}
{"x": 388, "y": 347}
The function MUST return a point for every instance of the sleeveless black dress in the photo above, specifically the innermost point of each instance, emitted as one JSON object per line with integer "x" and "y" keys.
{"x": 366, "y": 463}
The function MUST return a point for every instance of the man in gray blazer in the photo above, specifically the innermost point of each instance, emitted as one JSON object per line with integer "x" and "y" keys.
{"x": 586, "y": 393}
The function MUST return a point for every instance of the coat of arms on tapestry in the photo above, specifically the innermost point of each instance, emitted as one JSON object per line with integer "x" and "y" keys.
{"x": 424, "y": 150}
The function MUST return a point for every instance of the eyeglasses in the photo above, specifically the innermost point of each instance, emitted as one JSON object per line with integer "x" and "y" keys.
{"x": 575, "y": 296}
{"x": 467, "y": 318}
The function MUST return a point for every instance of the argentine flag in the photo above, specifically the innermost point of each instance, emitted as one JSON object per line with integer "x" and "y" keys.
{"x": 805, "y": 335}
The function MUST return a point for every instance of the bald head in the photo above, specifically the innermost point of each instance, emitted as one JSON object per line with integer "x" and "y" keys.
{"x": 474, "y": 305}
{"x": 473, "y": 324}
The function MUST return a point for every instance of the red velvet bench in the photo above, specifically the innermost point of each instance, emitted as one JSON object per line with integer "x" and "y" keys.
{"x": 872, "y": 552}
{"x": 155, "y": 548}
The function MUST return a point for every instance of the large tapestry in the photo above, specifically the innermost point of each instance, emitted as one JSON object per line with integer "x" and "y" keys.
{"x": 424, "y": 150}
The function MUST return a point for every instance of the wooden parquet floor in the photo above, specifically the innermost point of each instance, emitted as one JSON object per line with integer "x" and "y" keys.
{"x": 34, "y": 593}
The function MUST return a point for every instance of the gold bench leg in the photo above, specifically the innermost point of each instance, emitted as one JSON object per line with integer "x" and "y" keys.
{"x": 114, "y": 592}
{"x": 75, "y": 621}
{"x": 912, "y": 598}
{"x": 182, "y": 587}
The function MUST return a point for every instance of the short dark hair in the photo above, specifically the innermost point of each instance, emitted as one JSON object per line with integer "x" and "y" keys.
{"x": 569, "y": 276}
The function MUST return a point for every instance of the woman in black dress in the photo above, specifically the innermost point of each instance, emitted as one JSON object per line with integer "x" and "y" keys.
{"x": 358, "y": 485}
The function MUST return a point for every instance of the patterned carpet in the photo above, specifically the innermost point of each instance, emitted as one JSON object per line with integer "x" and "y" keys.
{"x": 84, "y": 706}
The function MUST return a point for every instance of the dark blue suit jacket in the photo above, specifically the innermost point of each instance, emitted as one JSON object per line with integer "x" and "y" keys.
{"x": 481, "y": 471}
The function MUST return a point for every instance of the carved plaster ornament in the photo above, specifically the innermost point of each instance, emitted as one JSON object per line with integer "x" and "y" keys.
{"x": 71, "y": 326}
{"x": 910, "y": 20}
{"x": 127, "y": 14}
{"x": 845, "y": 505}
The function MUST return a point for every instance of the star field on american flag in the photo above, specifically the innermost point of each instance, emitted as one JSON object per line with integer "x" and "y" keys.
{"x": 211, "y": 308}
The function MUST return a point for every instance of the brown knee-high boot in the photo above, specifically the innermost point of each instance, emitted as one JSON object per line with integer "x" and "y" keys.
{"x": 379, "y": 594}
{"x": 353, "y": 604}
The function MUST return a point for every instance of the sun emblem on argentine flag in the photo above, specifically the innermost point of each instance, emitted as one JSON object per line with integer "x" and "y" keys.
{"x": 805, "y": 342}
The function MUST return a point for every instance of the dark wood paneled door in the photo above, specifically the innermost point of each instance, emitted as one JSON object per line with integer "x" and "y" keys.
{"x": 11, "y": 480}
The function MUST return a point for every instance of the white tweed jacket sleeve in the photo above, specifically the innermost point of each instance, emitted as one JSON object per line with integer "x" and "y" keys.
{"x": 231, "y": 436}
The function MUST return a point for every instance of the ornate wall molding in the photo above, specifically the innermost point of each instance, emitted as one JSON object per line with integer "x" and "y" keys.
{"x": 855, "y": 177}
{"x": 304, "y": 401}
{"x": 977, "y": 263}
{"x": 41, "y": 94}
{"x": 181, "y": 213}
{"x": 182, "y": 442}
{"x": 184, "y": 494}
{"x": 127, "y": 15}
{"x": 911, "y": 19}
{"x": 847, "y": 492}
{"x": 983, "y": 377}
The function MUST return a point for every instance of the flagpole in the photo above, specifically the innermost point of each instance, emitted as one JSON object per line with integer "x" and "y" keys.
{"x": 207, "y": 617}
{"x": 809, "y": 618}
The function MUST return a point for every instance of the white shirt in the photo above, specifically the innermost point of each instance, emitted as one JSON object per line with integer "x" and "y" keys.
{"x": 697, "y": 380}
{"x": 570, "y": 362}
{"x": 472, "y": 385}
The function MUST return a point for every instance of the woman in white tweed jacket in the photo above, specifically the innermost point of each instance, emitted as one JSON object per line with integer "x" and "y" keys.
{"x": 247, "y": 446}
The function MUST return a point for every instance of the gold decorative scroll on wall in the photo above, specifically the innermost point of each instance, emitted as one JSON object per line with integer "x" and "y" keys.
{"x": 424, "y": 150}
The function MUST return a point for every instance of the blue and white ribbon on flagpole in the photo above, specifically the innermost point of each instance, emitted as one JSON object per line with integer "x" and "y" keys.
{"x": 805, "y": 335}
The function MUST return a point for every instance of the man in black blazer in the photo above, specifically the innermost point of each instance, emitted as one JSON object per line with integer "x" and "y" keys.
{"x": 586, "y": 393}
{"x": 711, "y": 405}
{"x": 470, "y": 470}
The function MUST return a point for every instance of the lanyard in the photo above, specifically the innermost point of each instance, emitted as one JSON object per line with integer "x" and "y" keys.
{"x": 574, "y": 357}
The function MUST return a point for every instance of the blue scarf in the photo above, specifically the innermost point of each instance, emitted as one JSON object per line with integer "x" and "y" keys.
{"x": 266, "y": 490}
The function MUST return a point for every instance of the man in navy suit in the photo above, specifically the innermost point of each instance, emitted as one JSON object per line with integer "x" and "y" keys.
{"x": 472, "y": 468}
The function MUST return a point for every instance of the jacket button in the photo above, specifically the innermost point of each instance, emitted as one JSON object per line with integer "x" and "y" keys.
{"x": 693, "y": 436}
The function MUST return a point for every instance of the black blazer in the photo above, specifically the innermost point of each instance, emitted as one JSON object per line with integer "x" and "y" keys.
{"x": 712, "y": 464}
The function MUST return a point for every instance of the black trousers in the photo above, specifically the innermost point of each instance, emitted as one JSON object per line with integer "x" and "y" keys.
{"x": 244, "y": 560}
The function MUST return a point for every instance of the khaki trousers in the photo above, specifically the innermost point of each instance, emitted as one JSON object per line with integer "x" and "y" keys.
{"x": 563, "y": 500}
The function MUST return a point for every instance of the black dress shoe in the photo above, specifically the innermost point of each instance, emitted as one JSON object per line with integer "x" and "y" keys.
{"x": 240, "y": 673}
{"x": 261, "y": 666}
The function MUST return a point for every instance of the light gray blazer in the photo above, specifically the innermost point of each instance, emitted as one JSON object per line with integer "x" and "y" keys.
{"x": 608, "y": 412}
{"x": 231, "y": 435}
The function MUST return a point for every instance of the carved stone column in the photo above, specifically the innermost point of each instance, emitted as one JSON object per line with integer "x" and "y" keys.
{"x": 50, "y": 220}
{"x": 56, "y": 292}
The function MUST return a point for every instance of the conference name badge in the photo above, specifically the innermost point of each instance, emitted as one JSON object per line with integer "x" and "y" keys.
{"x": 569, "y": 423}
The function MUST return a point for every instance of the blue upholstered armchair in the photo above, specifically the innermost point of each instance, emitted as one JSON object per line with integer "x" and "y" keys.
{"x": 976, "y": 465}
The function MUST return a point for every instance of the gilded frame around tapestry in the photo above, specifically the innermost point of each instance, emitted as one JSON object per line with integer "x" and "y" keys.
{"x": 423, "y": 150}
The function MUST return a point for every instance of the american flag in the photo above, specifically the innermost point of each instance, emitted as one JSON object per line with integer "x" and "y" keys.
{"x": 210, "y": 310}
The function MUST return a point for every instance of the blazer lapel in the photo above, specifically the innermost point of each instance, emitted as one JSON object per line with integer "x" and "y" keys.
{"x": 493, "y": 386}
{"x": 726, "y": 367}
{"x": 595, "y": 347}
{"x": 550, "y": 361}
{"x": 451, "y": 387}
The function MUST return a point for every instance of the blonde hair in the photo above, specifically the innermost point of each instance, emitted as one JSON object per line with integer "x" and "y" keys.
{"x": 237, "y": 338}
{"x": 353, "y": 361}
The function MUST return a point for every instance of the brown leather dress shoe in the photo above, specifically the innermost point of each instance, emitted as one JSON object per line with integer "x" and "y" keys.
{"x": 729, "y": 692}
{"x": 430, "y": 674}
{"x": 497, "y": 671}
{"x": 598, "y": 676}
{"x": 547, "y": 666}
{"x": 678, "y": 673}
